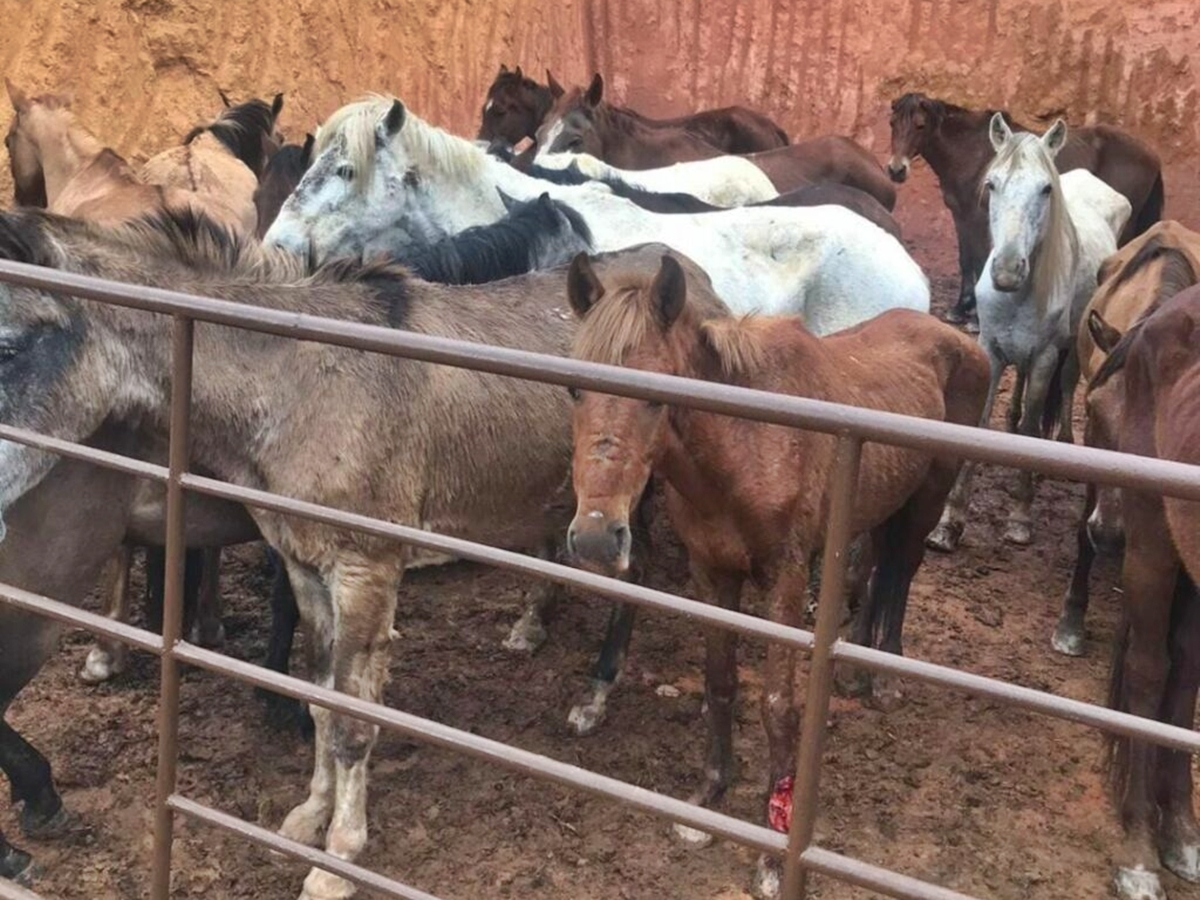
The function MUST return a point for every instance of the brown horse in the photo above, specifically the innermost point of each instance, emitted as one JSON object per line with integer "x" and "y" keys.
{"x": 749, "y": 500}
{"x": 732, "y": 129}
{"x": 515, "y": 106}
{"x": 581, "y": 122}
{"x": 954, "y": 141}
{"x": 1156, "y": 669}
{"x": 1145, "y": 272}
{"x": 283, "y": 172}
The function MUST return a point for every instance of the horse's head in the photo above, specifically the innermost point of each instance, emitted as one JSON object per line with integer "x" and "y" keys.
{"x": 35, "y": 120}
{"x": 284, "y": 170}
{"x": 1025, "y": 203}
{"x": 515, "y": 106}
{"x": 914, "y": 118}
{"x": 570, "y": 126}
{"x": 628, "y": 320}
{"x": 1103, "y": 408}
{"x": 247, "y": 129}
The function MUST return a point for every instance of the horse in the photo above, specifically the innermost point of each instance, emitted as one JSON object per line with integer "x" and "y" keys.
{"x": 379, "y": 167}
{"x": 678, "y": 202}
{"x": 731, "y": 129}
{"x": 581, "y": 123}
{"x": 953, "y": 140}
{"x": 749, "y": 500}
{"x": 222, "y": 161}
{"x": 392, "y": 430}
{"x": 1153, "y": 267}
{"x": 515, "y": 106}
{"x": 1156, "y": 665}
{"x": 283, "y": 172}
{"x": 1050, "y": 235}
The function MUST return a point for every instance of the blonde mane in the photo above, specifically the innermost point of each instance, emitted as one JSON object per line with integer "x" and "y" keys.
{"x": 737, "y": 342}
{"x": 1054, "y": 259}
{"x": 427, "y": 148}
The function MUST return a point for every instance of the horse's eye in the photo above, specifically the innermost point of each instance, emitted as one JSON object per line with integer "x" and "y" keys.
{"x": 574, "y": 392}
{"x": 1047, "y": 190}
{"x": 346, "y": 173}
{"x": 990, "y": 185}
{"x": 9, "y": 352}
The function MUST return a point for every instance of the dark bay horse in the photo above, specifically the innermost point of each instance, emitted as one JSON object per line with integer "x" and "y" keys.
{"x": 1156, "y": 668}
{"x": 954, "y": 141}
{"x": 517, "y": 101}
{"x": 1150, "y": 269}
{"x": 738, "y": 516}
{"x": 283, "y": 172}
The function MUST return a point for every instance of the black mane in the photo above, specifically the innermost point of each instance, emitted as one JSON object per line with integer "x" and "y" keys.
{"x": 241, "y": 130}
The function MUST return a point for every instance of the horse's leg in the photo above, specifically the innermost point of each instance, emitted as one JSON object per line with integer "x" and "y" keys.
{"x": 208, "y": 630}
{"x": 1179, "y": 834}
{"x": 15, "y": 864}
{"x": 32, "y": 783}
{"x": 720, "y": 693}
{"x": 946, "y": 535}
{"x": 1069, "y": 379}
{"x": 282, "y": 712}
{"x": 364, "y": 596}
{"x": 109, "y": 658}
{"x": 1016, "y": 404}
{"x": 1019, "y": 528}
{"x": 586, "y": 717}
{"x": 1069, "y": 633}
{"x": 306, "y": 822}
{"x": 529, "y": 632}
{"x": 1148, "y": 578}
{"x": 968, "y": 273}
{"x": 780, "y": 711}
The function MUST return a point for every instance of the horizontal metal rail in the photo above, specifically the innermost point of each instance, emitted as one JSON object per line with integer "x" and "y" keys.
{"x": 11, "y": 891}
{"x": 1049, "y": 457}
{"x": 80, "y": 618}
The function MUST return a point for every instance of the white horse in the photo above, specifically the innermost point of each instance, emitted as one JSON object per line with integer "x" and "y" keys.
{"x": 380, "y": 172}
{"x": 1050, "y": 235}
{"x": 726, "y": 181}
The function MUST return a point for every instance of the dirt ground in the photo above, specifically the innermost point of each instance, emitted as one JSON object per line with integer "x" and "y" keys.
{"x": 961, "y": 792}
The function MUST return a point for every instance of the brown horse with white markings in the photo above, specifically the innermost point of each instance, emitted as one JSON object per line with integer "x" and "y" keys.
{"x": 954, "y": 141}
{"x": 1156, "y": 669}
{"x": 1145, "y": 272}
{"x": 749, "y": 500}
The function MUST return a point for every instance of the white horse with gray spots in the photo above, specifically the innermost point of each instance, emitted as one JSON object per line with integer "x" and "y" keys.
{"x": 380, "y": 171}
{"x": 1050, "y": 234}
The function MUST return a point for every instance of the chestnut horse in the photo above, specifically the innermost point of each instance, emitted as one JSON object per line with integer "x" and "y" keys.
{"x": 1150, "y": 269}
{"x": 581, "y": 122}
{"x": 954, "y": 141}
{"x": 1156, "y": 668}
{"x": 749, "y": 500}
{"x": 517, "y": 107}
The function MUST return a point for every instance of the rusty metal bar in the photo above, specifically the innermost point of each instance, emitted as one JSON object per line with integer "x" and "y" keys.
{"x": 103, "y": 458}
{"x": 806, "y": 797}
{"x": 10, "y": 890}
{"x": 80, "y": 618}
{"x": 373, "y": 881}
{"x": 1049, "y": 457}
{"x": 183, "y": 334}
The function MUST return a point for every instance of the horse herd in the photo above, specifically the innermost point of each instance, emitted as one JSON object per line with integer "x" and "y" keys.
{"x": 707, "y": 246}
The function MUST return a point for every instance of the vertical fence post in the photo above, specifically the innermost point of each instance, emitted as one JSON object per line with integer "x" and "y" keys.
{"x": 168, "y": 704}
{"x": 805, "y": 794}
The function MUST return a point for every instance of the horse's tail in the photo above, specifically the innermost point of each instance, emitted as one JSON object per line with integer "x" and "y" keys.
{"x": 1116, "y": 747}
{"x": 1152, "y": 209}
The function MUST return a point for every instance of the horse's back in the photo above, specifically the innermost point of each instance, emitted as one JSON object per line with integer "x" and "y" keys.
{"x": 1097, "y": 210}
{"x": 218, "y": 183}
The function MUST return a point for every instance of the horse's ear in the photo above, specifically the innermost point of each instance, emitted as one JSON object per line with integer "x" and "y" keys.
{"x": 18, "y": 97}
{"x": 595, "y": 91}
{"x": 517, "y": 71}
{"x": 509, "y": 202}
{"x": 545, "y": 202}
{"x": 276, "y": 106}
{"x": 1105, "y": 336}
{"x": 556, "y": 89}
{"x": 394, "y": 120}
{"x": 1054, "y": 139}
{"x": 503, "y": 70}
{"x": 669, "y": 291}
{"x": 309, "y": 141}
{"x": 224, "y": 98}
{"x": 999, "y": 131}
{"x": 584, "y": 289}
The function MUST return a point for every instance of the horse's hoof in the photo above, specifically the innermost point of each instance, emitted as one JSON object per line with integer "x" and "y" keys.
{"x": 885, "y": 696}
{"x": 767, "y": 879}
{"x": 585, "y": 718}
{"x": 58, "y": 824}
{"x": 527, "y": 635}
{"x": 1183, "y": 860}
{"x": 1067, "y": 638}
{"x": 1018, "y": 532}
{"x": 208, "y": 635}
{"x": 322, "y": 885}
{"x": 945, "y": 537}
{"x": 853, "y": 683}
{"x": 693, "y": 838}
{"x": 17, "y": 865}
{"x": 1138, "y": 883}
{"x": 100, "y": 666}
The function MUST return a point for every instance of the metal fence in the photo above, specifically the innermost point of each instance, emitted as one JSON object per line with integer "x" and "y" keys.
{"x": 852, "y": 427}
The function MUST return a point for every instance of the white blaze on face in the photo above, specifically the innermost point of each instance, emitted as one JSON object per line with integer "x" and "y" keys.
{"x": 552, "y": 134}
{"x": 487, "y": 107}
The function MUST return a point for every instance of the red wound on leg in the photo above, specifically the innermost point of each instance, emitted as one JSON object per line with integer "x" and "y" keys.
{"x": 779, "y": 807}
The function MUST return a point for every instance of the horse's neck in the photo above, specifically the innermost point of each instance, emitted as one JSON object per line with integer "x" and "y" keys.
{"x": 960, "y": 151}
{"x": 628, "y": 138}
{"x": 64, "y": 155}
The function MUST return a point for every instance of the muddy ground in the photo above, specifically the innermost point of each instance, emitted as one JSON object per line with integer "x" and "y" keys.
{"x": 961, "y": 792}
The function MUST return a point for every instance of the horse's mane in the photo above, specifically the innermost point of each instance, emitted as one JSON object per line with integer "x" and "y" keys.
{"x": 428, "y": 148}
{"x": 240, "y": 130}
{"x": 1053, "y": 262}
{"x": 737, "y": 343}
{"x": 502, "y": 249}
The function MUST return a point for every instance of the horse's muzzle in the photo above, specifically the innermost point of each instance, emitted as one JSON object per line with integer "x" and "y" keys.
{"x": 600, "y": 543}
{"x": 897, "y": 169}
{"x": 1009, "y": 275}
